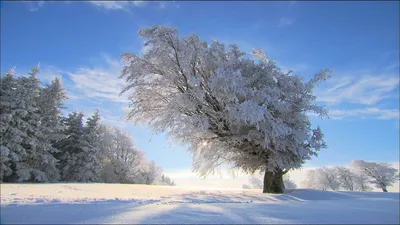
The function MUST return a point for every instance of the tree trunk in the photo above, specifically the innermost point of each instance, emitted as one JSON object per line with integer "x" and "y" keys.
{"x": 273, "y": 182}
{"x": 384, "y": 190}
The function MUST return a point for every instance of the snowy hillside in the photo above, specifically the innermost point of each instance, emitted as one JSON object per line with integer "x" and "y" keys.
{"x": 118, "y": 203}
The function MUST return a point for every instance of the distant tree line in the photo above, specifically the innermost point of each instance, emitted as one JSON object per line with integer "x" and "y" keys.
{"x": 39, "y": 144}
{"x": 357, "y": 177}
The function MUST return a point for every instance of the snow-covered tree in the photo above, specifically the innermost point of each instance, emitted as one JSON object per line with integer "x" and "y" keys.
{"x": 50, "y": 104}
{"x": 165, "y": 180}
{"x": 346, "y": 178}
{"x": 361, "y": 182}
{"x": 11, "y": 136}
{"x": 88, "y": 160}
{"x": 70, "y": 147}
{"x": 5, "y": 170}
{"x": 310, "y": 180}
{"x": 289, "y": 184}
{"x": 151, "y": 174}
{"x": 22, "y": 133}
{"x": 381, "y": 174}
{"x": 326, "y": 178}
{"x": 25, "y": 128}
{"x": 33, "y": 166}
{"x": 8, "y": 90}
{"x": 255, "y": 183}
{"x": 122, "y": 160}
{"x": 38, "y": 145}
{"x": 229, "y": 108}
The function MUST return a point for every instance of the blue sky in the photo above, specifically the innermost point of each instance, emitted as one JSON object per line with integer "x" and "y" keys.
{"x": 359, "y": 41}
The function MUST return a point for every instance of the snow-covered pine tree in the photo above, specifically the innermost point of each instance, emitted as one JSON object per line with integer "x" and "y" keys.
{"x": 50, "y": 103}
{"x": 5, "y": 169}
{"x": 88, "y": 160}
{"x": 165, "y": 180}
{"x": 40, "y": 164}
{"x": 23, "y": 135}
{"x": 8, "y": 133}
{"x": 229, "y": 108}
{"x": 70, "y": 147}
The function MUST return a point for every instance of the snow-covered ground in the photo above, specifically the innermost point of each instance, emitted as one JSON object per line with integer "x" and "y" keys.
{"x": 118, "y": 203}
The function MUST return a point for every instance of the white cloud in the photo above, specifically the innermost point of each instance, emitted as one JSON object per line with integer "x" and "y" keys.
{"x": 367, "y": 113}
{"x": 364, "y": 113}
{"x": 118, "y": 5}
{"x": 165, "y": 4}
{"x": 100, "y": 82}
{"x": 367, "y": 90}
{"x": 286, "y": 21}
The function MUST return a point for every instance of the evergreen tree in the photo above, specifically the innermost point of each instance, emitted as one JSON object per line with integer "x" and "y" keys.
{"x": 5, "y": 170}
{"x": 37, "y": 165}
{"x": 7, "y": 105}
{"x": 21, "y": 132}
{"x": 88, "y": 161}
{"x": 70, "y": 147}
{"x": 50, "y": 103}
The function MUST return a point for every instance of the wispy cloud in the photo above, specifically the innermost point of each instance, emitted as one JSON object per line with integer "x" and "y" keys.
{"x": 34, "y": 5}
{"x": 165, "y": 4}
{"x": 286, "y": 21}
{"x": 98, "y": 82}
{"x": 393, "y": 66}
{"x": 367, "y": 90}
{"x": 118, "y": 5}
{"x": 366, "y": 113}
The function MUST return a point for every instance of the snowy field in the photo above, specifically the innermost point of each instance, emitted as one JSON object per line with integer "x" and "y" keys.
{"x": 118, "y": 203}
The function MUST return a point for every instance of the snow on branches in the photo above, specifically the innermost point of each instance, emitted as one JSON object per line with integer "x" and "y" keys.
{"x": 250, "y": 113}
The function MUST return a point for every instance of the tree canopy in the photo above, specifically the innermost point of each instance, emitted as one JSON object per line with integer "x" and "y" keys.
{"x": 228, "y": 107}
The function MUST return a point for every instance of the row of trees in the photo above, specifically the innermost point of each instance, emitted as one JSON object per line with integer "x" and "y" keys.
{"x": 38, "y": 144}
{"x": 357, "y": 177}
